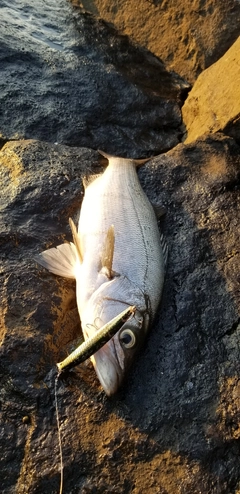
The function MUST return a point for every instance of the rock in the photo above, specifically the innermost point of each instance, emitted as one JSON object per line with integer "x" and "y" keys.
{"x": 174, "y": 425}
{"x": 214, "y": 103}
{"x": 188, "y": 36}
{"x": 68, "y": 78}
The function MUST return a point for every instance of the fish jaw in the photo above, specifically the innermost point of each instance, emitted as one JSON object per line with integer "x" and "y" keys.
{"x": 107, "y": 368}
{"x": 112, "y": 361}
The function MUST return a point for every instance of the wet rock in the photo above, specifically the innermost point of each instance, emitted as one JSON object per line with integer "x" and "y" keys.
{"x": 188, "y": 36}
{"x": 214, "y": 103}
{"x": 174, "y": 425}
{"x": 68, "y": 78}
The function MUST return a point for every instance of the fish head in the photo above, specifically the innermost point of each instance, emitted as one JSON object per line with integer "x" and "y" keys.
{"x": 112, "y": 361}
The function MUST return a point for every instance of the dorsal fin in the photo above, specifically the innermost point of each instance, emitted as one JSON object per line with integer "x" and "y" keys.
{"x": 107, "y": 253}
{"x": 136, "y": 162}
{"x": 76, "y": 239}
{"x": 88, "y": 179}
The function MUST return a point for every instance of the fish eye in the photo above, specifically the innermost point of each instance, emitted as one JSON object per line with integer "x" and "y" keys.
{"x": 127, "y": 338}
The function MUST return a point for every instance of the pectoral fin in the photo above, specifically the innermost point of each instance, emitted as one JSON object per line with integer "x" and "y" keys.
{"x": 107, "y": 253}
{"x": 60, "y": 260}
{"x": 76, "y": 239}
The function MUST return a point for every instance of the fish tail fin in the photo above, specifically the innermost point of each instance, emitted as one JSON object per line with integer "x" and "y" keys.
{"x": 136, "y": 162}
{"x": 60, "y": 260}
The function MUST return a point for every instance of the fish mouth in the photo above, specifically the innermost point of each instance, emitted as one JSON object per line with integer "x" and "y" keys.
{"x": 108, "y": 368}
{"x": 112, "y": 361}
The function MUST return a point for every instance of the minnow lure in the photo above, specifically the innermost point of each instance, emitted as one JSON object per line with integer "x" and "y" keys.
{"x": 97, "y": 340}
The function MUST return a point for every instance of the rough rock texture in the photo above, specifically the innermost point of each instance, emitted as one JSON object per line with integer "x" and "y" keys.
{"x": 174, "y": 426}
{"x": 187, "y": 35}
{"x": 71, "y": 79}
{"x": 214, "y": 102}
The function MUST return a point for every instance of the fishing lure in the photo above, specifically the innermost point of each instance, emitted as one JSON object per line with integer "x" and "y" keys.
{"x": 97, "y": 341}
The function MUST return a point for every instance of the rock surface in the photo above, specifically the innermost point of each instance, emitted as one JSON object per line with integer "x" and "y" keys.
{"x": 214, "y": 102}
{"x": 70, "y": 79}
{"x": 174, "y": 425}
{"x": 187, "y": 35}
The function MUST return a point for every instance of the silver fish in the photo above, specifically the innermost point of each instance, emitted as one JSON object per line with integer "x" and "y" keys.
{"x": 118, "y": 260}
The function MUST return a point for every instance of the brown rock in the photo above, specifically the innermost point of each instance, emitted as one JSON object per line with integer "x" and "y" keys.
{"x": 214, "y": 102}
{"x": 174, "y": 425}
{"x": 187, "y": 35}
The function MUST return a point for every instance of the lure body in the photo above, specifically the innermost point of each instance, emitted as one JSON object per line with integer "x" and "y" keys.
{"x": 118, "y": 261}
{"x": 96, "y": 341}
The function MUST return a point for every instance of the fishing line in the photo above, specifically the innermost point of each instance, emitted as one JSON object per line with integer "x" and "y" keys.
{"x": 82, "y": 353}
{"x": 59, "y": 434}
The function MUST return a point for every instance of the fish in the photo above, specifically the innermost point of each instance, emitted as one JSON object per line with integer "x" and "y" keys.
{"x": 118, "y": 259}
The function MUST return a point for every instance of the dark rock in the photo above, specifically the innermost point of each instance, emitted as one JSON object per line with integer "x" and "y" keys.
{"x": 68, "y": 78}
{"x": 214, "y": 102}
{"x": 188, "y": 36}
{"x": 174, "y": 425}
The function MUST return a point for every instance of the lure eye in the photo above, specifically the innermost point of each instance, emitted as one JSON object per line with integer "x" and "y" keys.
{"x": 127, "y": 338}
